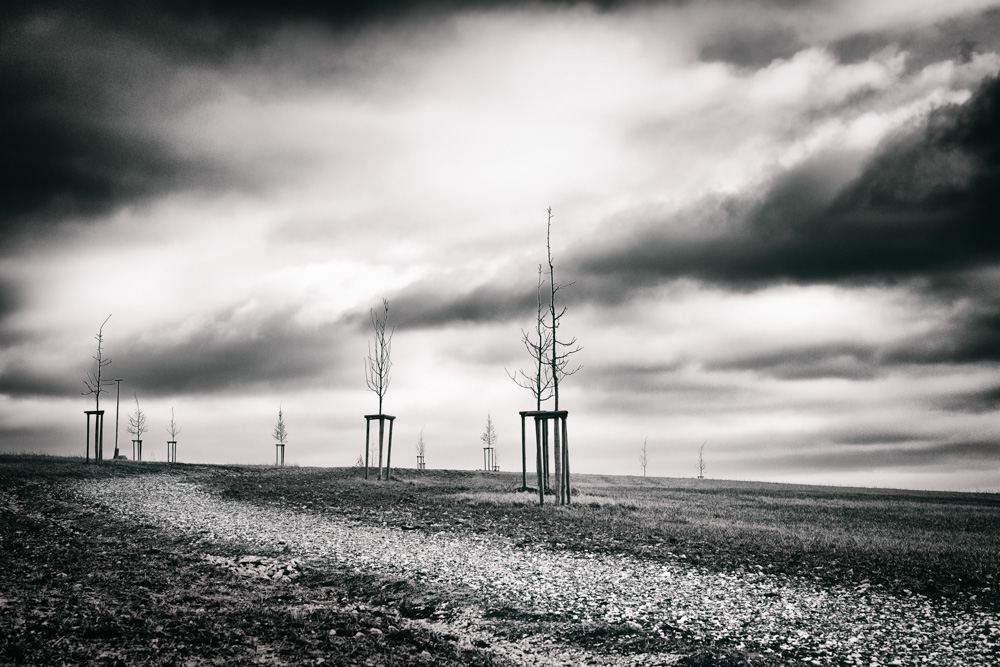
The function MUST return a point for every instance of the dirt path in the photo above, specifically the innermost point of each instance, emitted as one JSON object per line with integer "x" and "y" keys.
{"x": 673, "y": 604}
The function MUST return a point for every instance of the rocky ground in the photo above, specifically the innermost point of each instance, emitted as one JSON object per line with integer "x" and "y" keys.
{"x": 330, "y": 590}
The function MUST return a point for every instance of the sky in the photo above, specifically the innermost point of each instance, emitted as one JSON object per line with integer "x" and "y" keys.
{"x": 776, "y": 224}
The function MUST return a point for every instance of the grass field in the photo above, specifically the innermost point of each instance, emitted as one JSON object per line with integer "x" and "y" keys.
{"x": 79, "y": 586}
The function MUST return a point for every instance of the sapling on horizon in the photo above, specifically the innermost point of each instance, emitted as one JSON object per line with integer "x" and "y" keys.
{"x": 643, "y": 457}
{"x": 489, "y": 440}
{"x": 173, "y": 429}
{"x": 280, "y": 434}
{"x": 137, "y": 426}
{"x": 421, "y": 447}
{"x": 95, "y": 385}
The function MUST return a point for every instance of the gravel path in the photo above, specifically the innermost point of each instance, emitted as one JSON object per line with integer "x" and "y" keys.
{"x": 763, "y": 612}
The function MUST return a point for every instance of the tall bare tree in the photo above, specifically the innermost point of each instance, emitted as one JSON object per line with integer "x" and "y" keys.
{"x": 539, "y": 383}
{"x": 701, "y": 460}
{"x": 560, "y": 350}
{"x": 378, "y": 367}
{"x": 643, "y": 457}
{"x": 95, "y": 383}
{"x": 137, "y": 425}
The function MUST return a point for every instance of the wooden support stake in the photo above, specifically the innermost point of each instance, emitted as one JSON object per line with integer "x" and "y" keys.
{"x": 388, "y": 457}
{"x": 538, "y": 462}
{"x": 565, "y": 444}
{"x": 368, "y": 443}
{"x": 524, "y": 460}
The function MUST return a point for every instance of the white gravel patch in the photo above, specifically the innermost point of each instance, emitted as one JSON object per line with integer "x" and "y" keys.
{"x": 763, "y": 612}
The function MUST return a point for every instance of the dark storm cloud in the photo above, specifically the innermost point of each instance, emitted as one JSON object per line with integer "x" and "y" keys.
{"x": 67, "y": 124}
{"x": 969, "y": 340}
{"x": 271, "y": 353}
{"x": 880, "y": 438}
{"x": 754, "y": 47}
{"x": 966, "y": 454}
{"x": 228, "y": 353}
{"x": 854, "y": 362}
{"x": 953, "y": 39}
{"x": 976, "y": 402}
{"x": 23, "y": 377}
{"x": 927, "y": 203}
{"x": 425, "y": 306}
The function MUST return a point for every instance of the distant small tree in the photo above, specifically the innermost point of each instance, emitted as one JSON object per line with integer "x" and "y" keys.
{"x": 421, "y": 447}
{"x": 701, "y": 461}
{"x": 137, "y": 425}
{"x": 643, "y": 457}
{"x": 280, "y": 434}
{"x": 173, "y": 429}
{"x": 360, "y": 463}
{"x": 489, "y": 440}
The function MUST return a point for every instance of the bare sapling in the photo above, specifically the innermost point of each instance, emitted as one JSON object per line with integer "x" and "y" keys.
{"x": 701, "y": 460}
{"x": 643, "y": 457}
{"x": 137, "y": 426}
{"x": 280, "y": 435}
{"x": 539, "y": 383}
{"x": 421, "y": 448}
{"x": 489, "y": 440}
{"x": 173, "y": 429}
{"x": 96, "y": 385}
{"x": 378, "y": 367}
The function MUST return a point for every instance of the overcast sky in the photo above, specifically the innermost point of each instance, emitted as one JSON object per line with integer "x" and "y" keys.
{"x": 780, "y": 222}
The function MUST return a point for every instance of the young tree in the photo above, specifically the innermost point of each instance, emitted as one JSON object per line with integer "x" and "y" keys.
{"x": 378, "y": 367}
{"x": 539, "y": 383}
{"x": 560, "y": 351}
{"x": 421, "y": 447}
{"x": 489, "y": 440}
{"x": 643, "y": 457}
{"x": 280, "y": 433}
{"x": 137, "y": 425}
{"x": 173, "y": 429}
{"x": 701, "y": 461}
{"x": 95, "y": 383}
